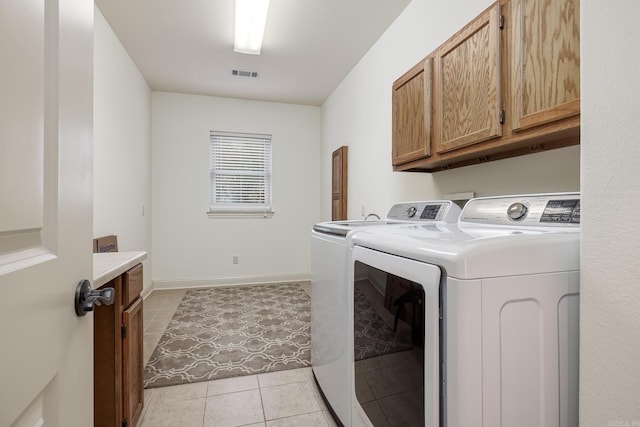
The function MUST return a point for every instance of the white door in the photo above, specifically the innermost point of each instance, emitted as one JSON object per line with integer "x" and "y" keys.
{"x": 46, "y": 351}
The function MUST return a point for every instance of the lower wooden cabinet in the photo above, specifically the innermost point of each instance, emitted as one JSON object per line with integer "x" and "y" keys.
{"x": 118, "y": 359}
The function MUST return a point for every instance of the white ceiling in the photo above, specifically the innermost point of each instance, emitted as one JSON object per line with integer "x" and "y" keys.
{"x": 309, "y": 46}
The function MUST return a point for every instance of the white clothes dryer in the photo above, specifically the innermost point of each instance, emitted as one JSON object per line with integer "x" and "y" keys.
{"x": 330, "y": 260}
{"x": 476, "y": 324}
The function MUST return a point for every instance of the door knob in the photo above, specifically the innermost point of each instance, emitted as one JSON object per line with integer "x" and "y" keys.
{"x": 86, "y": 298}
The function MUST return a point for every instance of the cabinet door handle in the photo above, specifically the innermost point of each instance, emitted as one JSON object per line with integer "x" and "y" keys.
{"x": 86, "y": 299}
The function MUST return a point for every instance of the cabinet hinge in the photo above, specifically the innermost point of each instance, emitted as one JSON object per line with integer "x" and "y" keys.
{"x": 123, "y": 329}
{"x": 125, "y": 423}
{"x": 501, "y": 23}
{"x": 501, "y": 117}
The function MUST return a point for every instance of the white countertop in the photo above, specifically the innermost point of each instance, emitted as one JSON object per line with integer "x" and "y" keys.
{"x": 109, "y": 265}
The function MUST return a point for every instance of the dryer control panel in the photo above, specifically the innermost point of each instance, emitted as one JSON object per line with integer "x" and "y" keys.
{"x": 542, "y": 210}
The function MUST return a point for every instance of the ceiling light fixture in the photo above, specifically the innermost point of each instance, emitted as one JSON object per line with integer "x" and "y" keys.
{"x": 251, "y": 18}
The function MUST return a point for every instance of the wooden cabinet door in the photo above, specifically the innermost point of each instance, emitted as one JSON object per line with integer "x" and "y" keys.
{"x": 546, "y": 56}
{"x": 467, "y": 89}
{"x": 107, "y": 363}
{"x": 339, "y": 170}
{"x": 132, "y": 358}
{"x": 411, "y": 115}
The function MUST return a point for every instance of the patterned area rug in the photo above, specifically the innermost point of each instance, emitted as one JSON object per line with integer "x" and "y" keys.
{"x": 226, "y": 332}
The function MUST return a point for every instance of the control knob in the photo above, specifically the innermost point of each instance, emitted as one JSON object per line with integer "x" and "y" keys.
{"x": 411, "y": 212}
{"x": 517, "y": 211}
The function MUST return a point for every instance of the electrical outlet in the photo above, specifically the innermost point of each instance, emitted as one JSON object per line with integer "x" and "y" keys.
{"x": 235, "y": 259}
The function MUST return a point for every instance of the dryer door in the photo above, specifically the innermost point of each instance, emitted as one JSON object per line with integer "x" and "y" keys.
{"x": 395, "y": 341}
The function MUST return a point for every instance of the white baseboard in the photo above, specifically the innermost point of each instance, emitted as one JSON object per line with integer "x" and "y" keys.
{"x": 146, "y": 292}
{"x": 230, "y": 281}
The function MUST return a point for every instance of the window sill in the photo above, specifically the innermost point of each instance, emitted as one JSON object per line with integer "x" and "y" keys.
{"x": 240, "y": 215}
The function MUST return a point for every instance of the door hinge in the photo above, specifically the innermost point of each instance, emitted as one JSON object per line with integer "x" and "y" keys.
{"x": 123, "y": 329}
{"x": 125, "y": 423}
{"x": 501, "y": 23}
{"x": 501, "y": 117}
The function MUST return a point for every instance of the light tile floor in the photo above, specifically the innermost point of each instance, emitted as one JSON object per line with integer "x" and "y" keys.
{"x": 276, "y": 399}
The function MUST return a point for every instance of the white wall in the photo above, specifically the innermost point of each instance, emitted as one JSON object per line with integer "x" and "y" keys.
{"x": 122, "y": 140}
{"x": 358, "y": 114}
{"x": 610, "y": 267}
{"x": 192, "y": 250}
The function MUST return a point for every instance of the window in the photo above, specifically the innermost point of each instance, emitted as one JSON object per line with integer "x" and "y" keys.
{"x": 239, "y": 174}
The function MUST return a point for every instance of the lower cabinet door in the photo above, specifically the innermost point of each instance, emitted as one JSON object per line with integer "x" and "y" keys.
{"x": 132, "y": 363}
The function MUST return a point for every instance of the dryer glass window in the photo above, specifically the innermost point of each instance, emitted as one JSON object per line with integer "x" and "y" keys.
{"x": 389, "y": 347}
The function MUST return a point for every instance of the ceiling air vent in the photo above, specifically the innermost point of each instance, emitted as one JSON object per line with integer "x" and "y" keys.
{"x": 243, "y": 73}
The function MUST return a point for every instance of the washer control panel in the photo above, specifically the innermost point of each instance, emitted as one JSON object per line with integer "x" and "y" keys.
{"x": 561, "y": 209}
{"x": 435, "y": 210}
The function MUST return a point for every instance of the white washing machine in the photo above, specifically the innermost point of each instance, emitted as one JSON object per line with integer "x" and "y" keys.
{"x": 477, "y": 324}
{"x": 330, "y": 263}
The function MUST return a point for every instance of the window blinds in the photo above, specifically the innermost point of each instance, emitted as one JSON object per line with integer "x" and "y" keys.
{"x": 240, "y": 172}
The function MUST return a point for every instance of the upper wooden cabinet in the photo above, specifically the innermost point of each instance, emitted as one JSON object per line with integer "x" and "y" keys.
{"x": 545, "y": 51}
{"x": 411, "y": 104}
{"x": 505, "y": 85}
{"x": 467, "y": 89}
